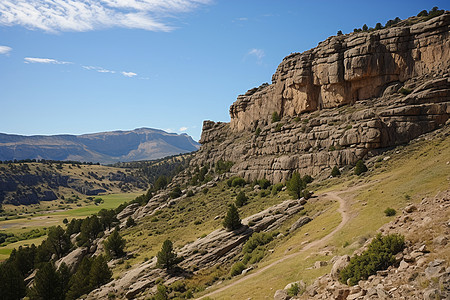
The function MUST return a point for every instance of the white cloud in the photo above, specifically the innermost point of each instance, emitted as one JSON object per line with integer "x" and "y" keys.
{"x": 183, "y": 128}
{"x": 258, "y": 53}
{"x": 98, "y": 69}
{"x": 45, "y": 61}
{"x": 75, "y": 15}
{"x": 128, "y": 74}
{"x": 5, "y": 49}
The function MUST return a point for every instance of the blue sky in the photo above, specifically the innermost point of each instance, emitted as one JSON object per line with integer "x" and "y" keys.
{"x": 76, "y": 67}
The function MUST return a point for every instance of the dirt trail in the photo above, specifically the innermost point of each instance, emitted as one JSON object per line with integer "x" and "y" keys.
{"x": 343, "y": 210}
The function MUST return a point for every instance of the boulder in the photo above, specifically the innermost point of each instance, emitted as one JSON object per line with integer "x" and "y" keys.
{"x": 340, "y": 263}
{"x": 281, "y": 295}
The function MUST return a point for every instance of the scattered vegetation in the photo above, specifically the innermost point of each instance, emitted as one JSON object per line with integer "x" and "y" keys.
{"x": 275, "y": 117}
{"x": 232, "y": 220}
{"x": 360, "y": 167}
{"x": 379, "y": 256}
{"x": 389, "y": 212}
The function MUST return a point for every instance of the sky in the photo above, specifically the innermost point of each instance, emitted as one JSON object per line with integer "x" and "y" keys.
{"x": 74, "y": 67}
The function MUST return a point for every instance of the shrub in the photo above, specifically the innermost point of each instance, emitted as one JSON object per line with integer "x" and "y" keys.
{"x": 339, "y": 32}
{"x": 130, "y": 222}
{"x": 278, "y": 127}
{"x": 378, "y": 26}
{"x": 238, "y": 181}
{"x": 423, "y": 13}
{"x": 257, "y": 239}
{"x": 223, "y": 166}
{"x": 389, "y": 212}
{"x": 379, "y": 256}
{"x": 264, "y": 183}
{"x": 293, "y": 290}
{"x": 175, "y": 193}
{"x": 276, "y": 188}
{"x": 360, "y": 167}
{"x": 237, "y": 268}
{"x": 232, "y": 220}
{"x": 404, "y": 91}
{"x": 258, "y": 131}
{"x": 275, "y": 117}
{"x": 241, "y": 199}
{"x": 335, "y": 172}
{"x": 190, "y": 193}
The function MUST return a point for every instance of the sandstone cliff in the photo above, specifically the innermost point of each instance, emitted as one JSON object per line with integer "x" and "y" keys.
{"x": 394, "y": 81}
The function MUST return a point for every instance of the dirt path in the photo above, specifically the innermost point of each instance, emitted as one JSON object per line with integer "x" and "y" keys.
{"x": 343, "y": 210}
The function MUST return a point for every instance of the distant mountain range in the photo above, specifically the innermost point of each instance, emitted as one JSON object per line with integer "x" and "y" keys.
{"x": 103, "y": 147}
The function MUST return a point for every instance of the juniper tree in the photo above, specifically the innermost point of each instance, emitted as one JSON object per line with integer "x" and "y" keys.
{"x": 232, "y": 220}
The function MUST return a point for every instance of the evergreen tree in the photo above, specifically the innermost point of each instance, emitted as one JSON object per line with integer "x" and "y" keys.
{"x": 12, "y": 286}
{"x": 46, "y": 284}
{"x": 161, "y": 293}
{"x": 339, "y": 32}
{"x": 335, "y": 172}
{"x": 241, "y": 199}
{"x": 360, "y": 167}
{"x": 232, "y": 220}
{"x": 166, "y": 257}
{"x": 296, "y": 185}
{"x": 58, "y": 241}
{"x": 107, "y": 218}
{"x": 115, "y": 244}
{"x": 64, "y": 278}
{"x": 130, "y": 222}
{"x": 365, "y": 28}
{"x": 378, "y": 26}
{"x": 79, "y": 282}
{"x": 100, "y": 272}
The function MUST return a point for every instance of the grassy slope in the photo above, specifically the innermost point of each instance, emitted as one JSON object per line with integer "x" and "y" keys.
{"x": 416, "y": 171}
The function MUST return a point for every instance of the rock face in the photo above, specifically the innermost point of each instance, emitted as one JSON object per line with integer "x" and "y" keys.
{"x": 395, "y": 83}
{"x": 345, "y": 69}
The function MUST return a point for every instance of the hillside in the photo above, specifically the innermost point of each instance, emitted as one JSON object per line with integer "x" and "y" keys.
{"x": 350, "y": 140}
{"x": 103, "y": 147}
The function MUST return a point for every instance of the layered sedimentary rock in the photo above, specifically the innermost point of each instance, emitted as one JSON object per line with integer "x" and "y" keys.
{"x": 345, "y": 69}
{"x": 348, "y": 98}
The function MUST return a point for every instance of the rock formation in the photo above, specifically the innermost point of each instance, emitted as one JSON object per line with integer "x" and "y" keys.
{"x": 394, "y": 81}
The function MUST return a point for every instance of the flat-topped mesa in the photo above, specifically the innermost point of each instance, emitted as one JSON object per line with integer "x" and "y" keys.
{"x": 347, "y": 68}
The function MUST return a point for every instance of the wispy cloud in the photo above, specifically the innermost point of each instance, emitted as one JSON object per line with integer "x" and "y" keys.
{"x": 86, "y": 15}
{"x": 128, "y": 74}
{"x": 98, "y": 69}
{"x": 5, "y": 50}
{"x": 45, "y": 61}
{"x": 258, "y": 53}
{"x": 183, "y": 129}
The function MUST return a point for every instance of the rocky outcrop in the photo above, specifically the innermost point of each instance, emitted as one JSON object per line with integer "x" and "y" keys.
{"x": 395, "y": 83}
{"x": 417, "y": 273}
{"x": 345, "y": 69}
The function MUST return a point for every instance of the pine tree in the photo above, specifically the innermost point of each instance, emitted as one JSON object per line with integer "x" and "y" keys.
{"x": 335, "y": 172}
{"x": 232, "y": 220}
{"x": 100, "y": 272}
{"x": 115, "y": 244}
{"x": 295, "y": 185}
{"x": 58, "y": 241}
{"x": 241, "y": 199}
{"x": 12, "y": 286}
{"x": 46, "y": 284}
{"x": 360, "y": 167}
{"x": 79, "y": 282}
{"x": 166, "y": 257}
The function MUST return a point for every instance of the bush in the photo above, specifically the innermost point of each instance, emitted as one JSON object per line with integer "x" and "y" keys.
{"x": 404, "y": 91}
{"x": 264, "y": 183}
{"x": 223, "y": 166}
{"x": 278, "y": 127}
{"x": 335, "y": 172}
{"x": 258, "y": 131}
{"x": 293, "y": 290}
{"x": 130, "y": 222}
{"x": 237, "y": 268}
{"x": 389, "y": 212}
{"x": 276, "y": 188}
{"x": 423, "y": 13}
{"x": 190, "y": 193}
{"x": 175, "y": 193}
{"x": 360, "y": 167}
{"x": 241, "y": 199}
{"x": 379, "y": 256}
{"x": 257, "y": 239}
{"x": 275, "y": 117}
{"x": 238, "y": 181}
